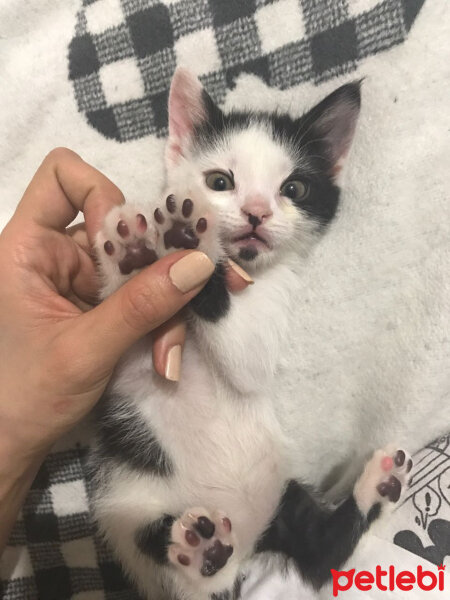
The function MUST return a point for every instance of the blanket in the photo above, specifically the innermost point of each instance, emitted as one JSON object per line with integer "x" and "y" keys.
{"x": 93, "y": 75}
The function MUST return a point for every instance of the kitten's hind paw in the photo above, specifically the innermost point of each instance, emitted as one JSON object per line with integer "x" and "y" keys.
{"x": 202, "y": 542}
{"x": 384, "y": 478}
{"x": 125, "y": 243}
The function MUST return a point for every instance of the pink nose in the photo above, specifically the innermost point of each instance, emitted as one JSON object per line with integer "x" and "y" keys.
{"x": 257, "y": 210}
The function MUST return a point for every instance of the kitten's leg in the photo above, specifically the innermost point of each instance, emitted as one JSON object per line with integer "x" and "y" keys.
{"x": 192, "y": 224}
{"x": 126, "y": 243}
{"x": 319, "y": 541}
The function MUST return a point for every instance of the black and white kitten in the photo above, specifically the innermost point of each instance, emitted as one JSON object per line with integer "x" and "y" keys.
{"x": 194, "y": 478}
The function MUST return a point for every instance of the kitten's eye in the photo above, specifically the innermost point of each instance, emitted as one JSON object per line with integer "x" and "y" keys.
{"x": 295, "y": 189}
{"x": 219, "y": 182}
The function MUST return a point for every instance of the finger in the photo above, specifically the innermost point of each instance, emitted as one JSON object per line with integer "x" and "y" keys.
{"x": 168, "y": 342}
{"x": 78, "y": 234}
{"x": 64, "y": 185}
{"x": 139, "y": 306}
{"x": 85, "y": 282}
{"x": 237, "y": 279}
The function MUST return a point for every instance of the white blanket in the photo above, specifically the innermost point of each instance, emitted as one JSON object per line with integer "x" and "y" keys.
{"x": 378, "y": 290}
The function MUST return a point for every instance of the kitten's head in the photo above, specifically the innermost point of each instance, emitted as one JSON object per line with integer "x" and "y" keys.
{"x": 271, "y": 178}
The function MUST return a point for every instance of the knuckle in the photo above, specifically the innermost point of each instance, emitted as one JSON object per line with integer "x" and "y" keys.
{"x": 58, "y": 154}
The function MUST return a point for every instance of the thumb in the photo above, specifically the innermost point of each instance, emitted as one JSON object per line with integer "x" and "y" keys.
{"x": 142, "y": 304}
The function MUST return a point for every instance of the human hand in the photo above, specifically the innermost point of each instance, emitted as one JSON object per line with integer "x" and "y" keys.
{"x": 57, "y": 353}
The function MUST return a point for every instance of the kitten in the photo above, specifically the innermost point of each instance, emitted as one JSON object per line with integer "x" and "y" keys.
{"x": 192, "y": 479}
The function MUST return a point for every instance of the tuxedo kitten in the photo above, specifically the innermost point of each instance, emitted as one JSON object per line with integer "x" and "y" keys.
{"x": 193, "y": 479}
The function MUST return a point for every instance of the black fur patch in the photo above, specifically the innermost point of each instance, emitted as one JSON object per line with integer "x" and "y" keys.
{"x": 222, "y": 596}
{"x": 373, "y": 513}
{"x": 153, "y": 539}
{"x": 248, "y": 253}
{"x": 125, "y": 437}
{"x": 317, "y": 540}
{"x": 213, "y": 302}
{"x": 235, "y": 594}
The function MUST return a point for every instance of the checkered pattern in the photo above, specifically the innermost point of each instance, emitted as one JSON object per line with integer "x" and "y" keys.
{"x": 124, "y": 53}
{"x": 54, "y": 552}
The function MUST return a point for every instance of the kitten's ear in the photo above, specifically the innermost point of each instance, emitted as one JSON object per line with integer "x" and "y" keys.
{"x": 189, "y": 106}
{"x": 333, "y": 122}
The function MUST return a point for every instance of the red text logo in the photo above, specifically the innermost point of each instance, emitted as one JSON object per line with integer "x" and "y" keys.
{"x": 388, "y": 580}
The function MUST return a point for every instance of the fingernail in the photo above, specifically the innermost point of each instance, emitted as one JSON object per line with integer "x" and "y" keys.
{"x": 191, "y": 271}
{"x": 173, "y": 363}
{"x": 240, "y": 271}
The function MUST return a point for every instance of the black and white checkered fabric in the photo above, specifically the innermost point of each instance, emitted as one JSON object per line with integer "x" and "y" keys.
{"x": 54, "y": 552}
{"x": 124, "y": 52}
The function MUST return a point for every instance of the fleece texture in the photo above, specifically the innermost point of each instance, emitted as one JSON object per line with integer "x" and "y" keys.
{"x": 94, "y": 76}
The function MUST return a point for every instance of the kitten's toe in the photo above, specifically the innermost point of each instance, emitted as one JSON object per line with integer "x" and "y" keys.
{"x": 384, "y": 479}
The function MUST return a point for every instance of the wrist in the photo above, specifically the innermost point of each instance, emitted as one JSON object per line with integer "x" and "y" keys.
{"x": 16, "y": 476}
{"x": 18, "y": 456}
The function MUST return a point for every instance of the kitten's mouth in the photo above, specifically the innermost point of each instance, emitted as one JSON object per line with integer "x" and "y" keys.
{"x": 252, "y": 237}
{"x": 250, "y": 244}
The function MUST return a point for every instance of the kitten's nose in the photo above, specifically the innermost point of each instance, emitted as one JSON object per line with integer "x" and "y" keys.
{"x": 257, "y": 211}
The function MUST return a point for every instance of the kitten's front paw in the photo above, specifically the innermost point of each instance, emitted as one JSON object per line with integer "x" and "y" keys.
{"x": 187, "y": 224}
{"x": 384, "y": 478}
{"x": 125, "y": 243}
{"x": 202, "y": 542}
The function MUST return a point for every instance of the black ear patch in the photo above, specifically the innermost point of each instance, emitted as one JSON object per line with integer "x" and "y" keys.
{"x": 121, "y": 61}
{"x": 331, "y": 124}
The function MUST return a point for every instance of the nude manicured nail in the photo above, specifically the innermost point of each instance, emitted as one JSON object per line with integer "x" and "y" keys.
{"x": 173, "y": 363}
{"x": 240, "y": 271}
{"x": 191, "y": 271}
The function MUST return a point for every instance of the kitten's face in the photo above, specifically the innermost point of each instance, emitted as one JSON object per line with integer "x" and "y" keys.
{"x": 270, "y": 178}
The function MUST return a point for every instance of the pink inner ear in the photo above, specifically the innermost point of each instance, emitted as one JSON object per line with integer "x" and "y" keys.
{"x": 186, "y": 109}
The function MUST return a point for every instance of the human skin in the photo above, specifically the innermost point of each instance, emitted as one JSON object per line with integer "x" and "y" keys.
{"x": 58, "y": 348}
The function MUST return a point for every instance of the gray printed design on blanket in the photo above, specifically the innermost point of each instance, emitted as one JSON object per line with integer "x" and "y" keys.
{"x": 54, "y": 552}
{"x": 427, "y": 504}
{"x": 124, "y": 52}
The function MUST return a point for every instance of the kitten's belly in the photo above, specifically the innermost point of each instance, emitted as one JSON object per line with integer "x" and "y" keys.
{"x": 226, "y": 450}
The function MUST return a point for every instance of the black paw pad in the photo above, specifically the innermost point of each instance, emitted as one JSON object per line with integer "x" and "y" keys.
{"x": 170, "y": 203}
{"x": 184, "y": 560}
{"x": 159, "y": 217}
{"x": 191, "y": 538}
{"x": 109, "y": 248}
{"x": 181, "y": 235}
{"x": 399, "y": 458}
{"x": 201, "y": 225}
{"x": 392, "y": 488}
{"x": 205, "y": 527}
{"x": 122, "y": 229}
{"x": 137, "y": 257}
{"x": 187, "y": 208}
{"x": 215, "y": 558}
